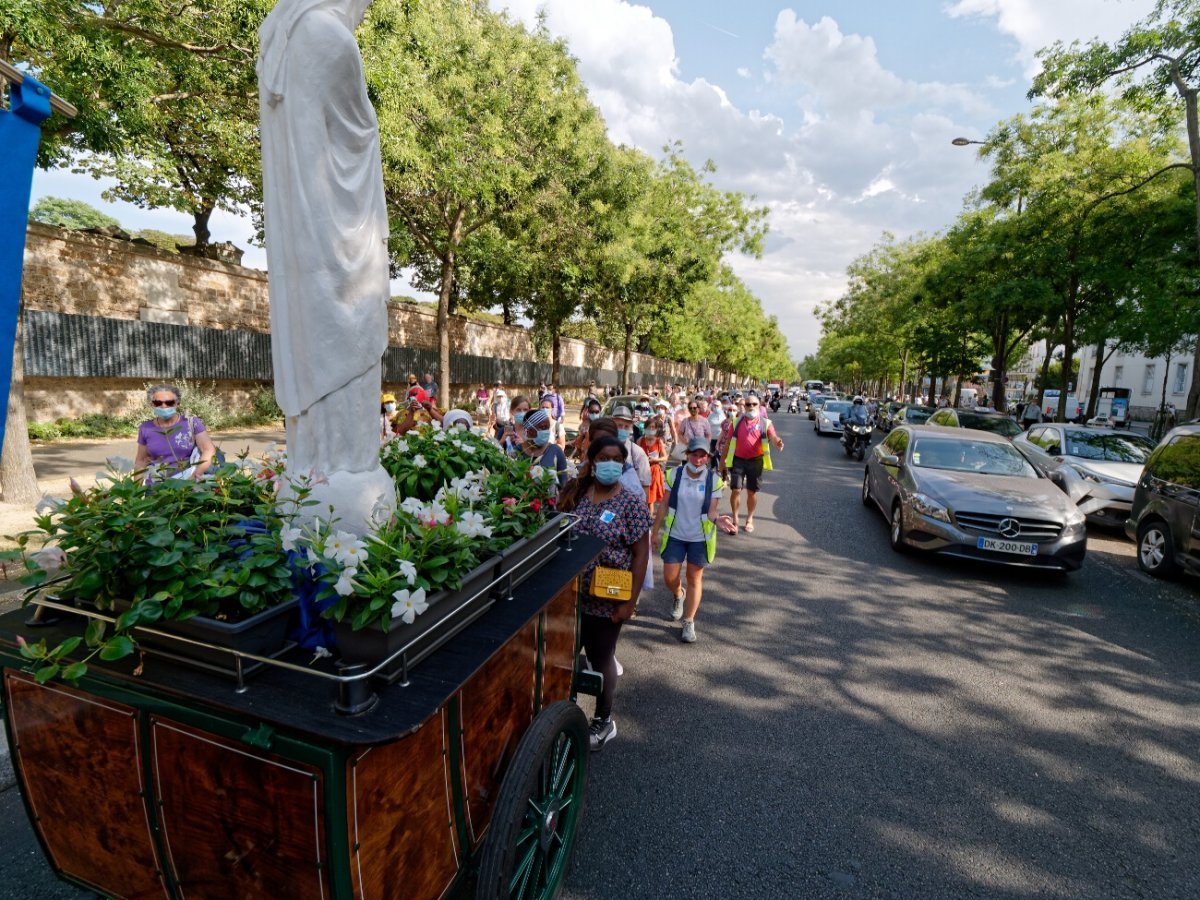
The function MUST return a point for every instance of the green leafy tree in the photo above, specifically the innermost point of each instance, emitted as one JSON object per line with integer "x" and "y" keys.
{"x": 1155, "y": 61}
{"x": 67, "y": 213}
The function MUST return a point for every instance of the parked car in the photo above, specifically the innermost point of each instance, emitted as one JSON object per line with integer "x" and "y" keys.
{"x": 994, "y": 422}
{"x": 612, "y": 403}
{"x": 1101, "y": 467}
{"x": 912, "y": 414}
{"x": 829, "y": 417}
{"x": 1165, "y": 520}
{"x": 968, "y": 493}
{"x": 885, "y": 421}
{"x": 1103, "y": 420}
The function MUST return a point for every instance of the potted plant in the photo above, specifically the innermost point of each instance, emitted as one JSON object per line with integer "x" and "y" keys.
{"x": 204, "y": 553}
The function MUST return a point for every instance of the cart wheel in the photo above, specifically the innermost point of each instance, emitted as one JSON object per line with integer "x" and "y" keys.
{"x": 537, "y": 813}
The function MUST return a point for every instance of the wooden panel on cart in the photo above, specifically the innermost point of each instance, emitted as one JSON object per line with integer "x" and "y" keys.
{"x": 559, "y": 652}
{"x": 78, "y": 758}
{"x": 496, "y": 708}
{"x": 400, "y": 815}
{"x": 237, "y": 822}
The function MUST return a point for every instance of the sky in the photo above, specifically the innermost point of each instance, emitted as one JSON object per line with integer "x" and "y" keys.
{"x": 838, "y": 116}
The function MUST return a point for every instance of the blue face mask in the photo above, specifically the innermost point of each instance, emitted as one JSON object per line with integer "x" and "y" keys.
{"x": 622, "y": 436}
{"x": 542, "y": 438}
{"x": 608, "y": 472}
{"x": 519, "y": 417}
{"x": 164, "y": 412}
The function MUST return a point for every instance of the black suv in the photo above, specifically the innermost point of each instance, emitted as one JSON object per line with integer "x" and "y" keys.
{"x": 996, "y": 423}
{"x": 1165, "y": 520}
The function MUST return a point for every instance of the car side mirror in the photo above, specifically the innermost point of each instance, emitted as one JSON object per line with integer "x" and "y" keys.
{"x": 1054, "y": 450}
{"x": 889, "y": 459}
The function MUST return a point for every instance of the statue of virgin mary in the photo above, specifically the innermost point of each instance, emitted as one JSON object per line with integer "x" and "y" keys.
{"x": 327, "y": 264}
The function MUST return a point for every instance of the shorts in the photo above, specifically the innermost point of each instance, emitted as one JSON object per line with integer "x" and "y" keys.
{"x": 749, "y": 470}
{"x": 677, "y": 551}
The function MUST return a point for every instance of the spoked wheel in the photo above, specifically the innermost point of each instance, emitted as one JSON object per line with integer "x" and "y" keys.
{"x": 532, "y": 836}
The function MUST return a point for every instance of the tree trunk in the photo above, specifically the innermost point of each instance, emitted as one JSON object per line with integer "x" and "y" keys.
{"x": 1045, "y": 375}
{"x": 556, "y": 361}
{"x": 1094, "y": 393}
{"x": 200, "y": 228}
{"x": 506, "y": 307}
{"x": 1193, "y": 400}
{"x": 628, "y": 359}
{"x": 446, "y": 288}
{"x": 17, "y": 477}
{"x": 1068, "y": 362}
{"x": 1162, "y": 402}
{"x": 958, "y": 392}
{"x": 903, "y": 373}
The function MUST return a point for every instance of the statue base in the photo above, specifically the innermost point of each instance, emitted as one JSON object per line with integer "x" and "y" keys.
{"x": 354, "y": 501}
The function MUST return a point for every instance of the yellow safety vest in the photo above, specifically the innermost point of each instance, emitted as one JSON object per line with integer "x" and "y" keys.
{"x": 707, "y": 526}
{"x": 764, "y": 447}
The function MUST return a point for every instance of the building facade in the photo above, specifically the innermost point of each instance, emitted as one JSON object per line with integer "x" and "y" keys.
{"x": 1143, "y": 376}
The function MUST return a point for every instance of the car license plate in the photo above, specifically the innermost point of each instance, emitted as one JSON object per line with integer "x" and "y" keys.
{"x": 1000, "y": 545}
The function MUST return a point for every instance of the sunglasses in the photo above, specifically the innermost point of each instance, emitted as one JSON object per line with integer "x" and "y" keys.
{"x": 693, "y": 408}
{"x": 163, "y": 402}
{"x": 751, "y": 406}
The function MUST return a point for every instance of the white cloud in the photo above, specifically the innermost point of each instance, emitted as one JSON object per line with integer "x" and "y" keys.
{"x": 1034, "y": 24}
{"x": 743, "y": 72}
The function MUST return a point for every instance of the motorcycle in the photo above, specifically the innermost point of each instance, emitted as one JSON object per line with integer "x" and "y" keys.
{"x": 775, "y": 403}
{"x": 856, "y": 439}
{"x": 794, "y": 405}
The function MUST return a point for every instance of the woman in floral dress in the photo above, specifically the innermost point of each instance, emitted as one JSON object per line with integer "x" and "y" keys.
{"x": 622, "y": 520}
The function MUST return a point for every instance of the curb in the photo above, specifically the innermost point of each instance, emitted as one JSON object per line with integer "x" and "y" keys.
{"x": 8, "y": 777}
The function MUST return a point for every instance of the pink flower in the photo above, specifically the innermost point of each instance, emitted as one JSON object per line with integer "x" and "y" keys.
{"x": 509, "y": 501}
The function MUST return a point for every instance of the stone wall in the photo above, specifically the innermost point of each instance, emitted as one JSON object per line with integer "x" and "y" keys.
{"x": 78, "y": 274}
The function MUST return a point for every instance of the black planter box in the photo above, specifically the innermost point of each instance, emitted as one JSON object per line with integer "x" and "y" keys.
{"x": 524, "y": 557}
{"x": 449, "y": 613}
{"x": 262, "y": 634}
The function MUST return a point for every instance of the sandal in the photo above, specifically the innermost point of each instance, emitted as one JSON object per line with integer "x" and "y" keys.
{"x": 749, "y": 528}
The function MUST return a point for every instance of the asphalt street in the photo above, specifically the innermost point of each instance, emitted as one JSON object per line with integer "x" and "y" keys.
{"x": 857, "y": 723}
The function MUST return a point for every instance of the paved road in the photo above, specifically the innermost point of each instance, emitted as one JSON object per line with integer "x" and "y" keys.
{"x": 857, "y": 723}
{"x": 854, "y": 722}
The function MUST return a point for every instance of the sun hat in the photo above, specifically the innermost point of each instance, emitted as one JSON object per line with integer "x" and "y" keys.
{"x": 387, "y": 398}
{"x": 455, "y": 416}
{"x": 623, "y": 412}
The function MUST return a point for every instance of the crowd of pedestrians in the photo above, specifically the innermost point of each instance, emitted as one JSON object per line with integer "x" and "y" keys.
{"x": 646, "y": 478}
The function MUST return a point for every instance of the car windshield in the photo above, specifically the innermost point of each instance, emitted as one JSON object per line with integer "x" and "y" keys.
{"x": 1126, "y": 448}
{"x": 995, "y": 424}
{"x": 917, "y": 415}
{"x": 966, "y": 455}
{"x": 818, "y": 402}
{"x": 836, "y": 407}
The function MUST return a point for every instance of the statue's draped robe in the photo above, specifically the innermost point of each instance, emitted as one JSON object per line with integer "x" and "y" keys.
{"x": 326, "y": 234}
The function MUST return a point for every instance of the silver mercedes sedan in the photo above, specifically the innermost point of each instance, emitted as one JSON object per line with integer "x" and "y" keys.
{"x": 969, "y": 493}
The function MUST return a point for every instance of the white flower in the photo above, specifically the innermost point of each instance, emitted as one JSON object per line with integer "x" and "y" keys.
{"x": 434, "y": 514}
{"x": 400, "y": 445}
{"x": 436, "y": 425}
{"x": 439, "y": 436}
{"x": 473, "y": 524}
{"x": 344, "y": 587}
{"x": 119, "y": 465}
{"x": 419, "y": 461}
{"x": 313, "y": 559}
{"x": 319, "y": 653}
{"x": 408, "y": 571}
{"x": 408, "y": 605}
{"x": 346, "y": 548}
{"x": 48, "y": 504}
{"x": 536, "y": 472}
{"x": 412, "y": 506}
{"x": 288, "y": 537}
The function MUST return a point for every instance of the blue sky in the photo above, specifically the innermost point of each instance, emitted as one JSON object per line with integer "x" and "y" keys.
{"x": 837, "y": 115}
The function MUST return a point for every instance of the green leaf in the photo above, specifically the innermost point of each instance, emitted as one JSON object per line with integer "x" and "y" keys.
{"x": 117, "y": 647}
{"x": 66, "y": 647}
{"x": 94, "y": 632}
{"x": 164, "y": 537}
{"x": 45, "y": 673}
{"x": 75, "y": 671}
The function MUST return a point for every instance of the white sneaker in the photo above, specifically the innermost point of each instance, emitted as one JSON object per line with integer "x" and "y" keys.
{"x": 688, "y": 635}
{"x": 620, "y": 668}
{"x": 600, "y": 732}
{"x": 677, "y": 609}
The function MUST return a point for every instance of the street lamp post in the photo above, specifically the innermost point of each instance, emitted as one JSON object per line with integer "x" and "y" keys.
{"x": 962, "y": 142}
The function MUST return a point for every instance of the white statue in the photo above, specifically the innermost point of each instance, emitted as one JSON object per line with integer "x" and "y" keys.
{"x": 327, "y": 263}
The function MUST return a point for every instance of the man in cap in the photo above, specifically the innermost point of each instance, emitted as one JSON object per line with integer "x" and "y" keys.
{"x": 623, "y": 417}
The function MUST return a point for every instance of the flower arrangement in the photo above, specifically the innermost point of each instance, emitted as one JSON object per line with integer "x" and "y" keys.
{"x": 225, "y": 546}
{"x": 437, "y": 534}
{"x": 172, "y": 550}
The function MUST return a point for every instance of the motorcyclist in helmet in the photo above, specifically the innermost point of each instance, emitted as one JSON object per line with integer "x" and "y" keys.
{"x": 858, "y": 413}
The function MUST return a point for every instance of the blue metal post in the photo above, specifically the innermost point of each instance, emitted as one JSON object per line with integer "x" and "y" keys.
{"x": 20, "y": 135}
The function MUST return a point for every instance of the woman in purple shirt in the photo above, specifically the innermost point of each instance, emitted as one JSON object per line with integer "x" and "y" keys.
{"x": 167, "y": 440}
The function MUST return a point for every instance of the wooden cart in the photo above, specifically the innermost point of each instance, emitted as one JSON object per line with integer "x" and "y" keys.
{"x": 174, "y": 783}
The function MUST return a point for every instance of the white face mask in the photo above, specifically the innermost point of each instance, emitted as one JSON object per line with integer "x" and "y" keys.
{"x": 696, "y": 470}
